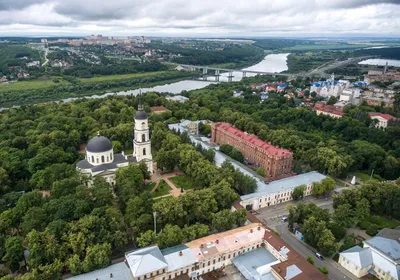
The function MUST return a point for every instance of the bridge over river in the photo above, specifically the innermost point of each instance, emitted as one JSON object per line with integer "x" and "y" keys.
{"x": 216, "y": 72}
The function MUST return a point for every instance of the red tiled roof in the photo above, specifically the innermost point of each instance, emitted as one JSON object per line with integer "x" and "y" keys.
{"x": 252, "y": 139}
{"x": 158, "y": 109}
{"x": 384, "y": 116}
{"x": 335, "y": 112}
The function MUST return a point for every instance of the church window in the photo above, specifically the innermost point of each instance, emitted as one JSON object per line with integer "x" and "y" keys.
{"x": 97, "y": 160}
{"x": 143, "y": 124}
{"x": 92, "y": 159}
{"x": 107, "y": 158}
{"x": 111, "y": 157}
{"x": 143, "y": 138}
{"x": 144, "y": 151}
{"x": 102, "y": 159}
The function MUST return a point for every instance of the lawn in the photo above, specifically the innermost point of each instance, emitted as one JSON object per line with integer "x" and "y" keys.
{"x": 184, "y": 182}
{"x": 24, "y": 85}
{"x": 150, "y": 186}
{"x": 120, "y": 77}
{"x": 162, "y": 189}
{"x": 383, "y": 222}
{"x": 363, "y": 176}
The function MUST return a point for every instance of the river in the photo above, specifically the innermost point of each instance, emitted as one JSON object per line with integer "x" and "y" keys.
{"x": 381, "y": 62}
{"x": 270, "y": 63}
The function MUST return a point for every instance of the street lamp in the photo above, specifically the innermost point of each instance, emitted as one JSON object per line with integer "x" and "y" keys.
{"x": 155, "y": 223}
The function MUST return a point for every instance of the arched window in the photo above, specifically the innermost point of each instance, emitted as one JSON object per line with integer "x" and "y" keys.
{"x": 107, "y": 159}
{"x": 143, "y": 138}
{"x": 92, "y": 159}
{"x": 102, "y": 159}
{"x": 111, "y": 156}
{"x": 144, "y": 151}
{"x": 97, "y": 160}
{"x": 143, "y": 124}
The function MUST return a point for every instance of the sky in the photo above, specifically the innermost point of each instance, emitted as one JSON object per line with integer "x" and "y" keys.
{"x": 200, "y": 18}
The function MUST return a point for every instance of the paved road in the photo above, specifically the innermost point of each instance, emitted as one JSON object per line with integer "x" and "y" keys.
{"x": 336, "y": 272}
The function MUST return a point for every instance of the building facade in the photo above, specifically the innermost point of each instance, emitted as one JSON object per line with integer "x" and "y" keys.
{"x": 381, "y": 119}
{"x": 276, "y": 161}
{"x": 279, "y": 191}
{"x": 244, "y": 247}
{"x": 379, "y": 257}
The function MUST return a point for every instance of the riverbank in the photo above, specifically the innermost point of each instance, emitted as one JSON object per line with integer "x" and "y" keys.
{"x": 87, "y": 87}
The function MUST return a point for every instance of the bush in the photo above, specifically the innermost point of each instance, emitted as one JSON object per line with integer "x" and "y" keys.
{"x": 310, "y": 260}
{"x": 373, "y": 230}
{"x": 324, "y": 270}
{"x": 364, "y": 225}
{"x": 338, "y": 232}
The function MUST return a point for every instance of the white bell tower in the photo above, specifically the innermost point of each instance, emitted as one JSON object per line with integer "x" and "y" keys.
{"x": 141, "y": 141}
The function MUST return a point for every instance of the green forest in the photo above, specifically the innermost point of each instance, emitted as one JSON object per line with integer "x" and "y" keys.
{"x": 67, "y": 227}
{"x": 240, "y": 55}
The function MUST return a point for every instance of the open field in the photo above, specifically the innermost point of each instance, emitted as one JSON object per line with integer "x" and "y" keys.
{"x": 26, "y": 85}
{"x": 121, "y": 77}
{"x": 184, "y": 182}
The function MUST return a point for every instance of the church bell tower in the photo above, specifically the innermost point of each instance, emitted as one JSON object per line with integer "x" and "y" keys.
{"x": 141, "y": 141}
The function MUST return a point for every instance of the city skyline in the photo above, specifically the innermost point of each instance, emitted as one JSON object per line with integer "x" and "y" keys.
{"x": 201, "y": 18}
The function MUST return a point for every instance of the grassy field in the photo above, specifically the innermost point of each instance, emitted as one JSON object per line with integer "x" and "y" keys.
{"x": 26, "y": 85}
{"x": 363, "y": 176}
{"x": 120, "y": 77}
{"x": 184, "y": 182}
{"x": 150, "y": 186}
{"x": 383, "y": 222}
{"x": 161, "y": 190}
{"x": 46, "y": 83}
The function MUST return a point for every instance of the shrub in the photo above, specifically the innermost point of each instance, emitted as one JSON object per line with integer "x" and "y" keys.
{"x": 310, "y": 260}
{"x": 364, "y": 225}
{"x": 324, "y": 270}
{"x": 338, "y": 231}
{"x": 373, "y": 230}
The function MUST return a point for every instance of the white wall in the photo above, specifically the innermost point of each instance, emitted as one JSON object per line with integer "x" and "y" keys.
{"x": 96, "y": 158}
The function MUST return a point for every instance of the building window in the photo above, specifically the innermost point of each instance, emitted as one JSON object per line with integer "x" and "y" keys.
{"x": 144, "y": 151}
{"x": 97, "y": 160}
{"x": 143, "y": 138}
{"x": 92, "y": 159}
{"x": 102, "y": 159}
{"x": 111, "y": 156}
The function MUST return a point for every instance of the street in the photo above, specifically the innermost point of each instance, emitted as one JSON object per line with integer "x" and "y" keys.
{"x": 272, "y": 217}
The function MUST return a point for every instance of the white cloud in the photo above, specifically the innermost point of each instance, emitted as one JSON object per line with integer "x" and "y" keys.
{"x": 200, "y": 17}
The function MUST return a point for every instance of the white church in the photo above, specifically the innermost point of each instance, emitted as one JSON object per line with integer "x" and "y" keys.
{"x": 101, "y": 161}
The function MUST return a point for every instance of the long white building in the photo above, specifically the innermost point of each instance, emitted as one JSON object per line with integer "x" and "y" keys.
{"x": 279, "y": 191}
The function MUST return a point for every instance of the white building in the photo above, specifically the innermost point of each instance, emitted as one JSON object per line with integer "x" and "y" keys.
{"x": 100, "y": 159}
{"x": 381, "y": 119}
{"x": 255, "y": 251}
{"x": 379, "y": 257}
{"x": 177, "y": 98}
{"x": 279, "y": 191}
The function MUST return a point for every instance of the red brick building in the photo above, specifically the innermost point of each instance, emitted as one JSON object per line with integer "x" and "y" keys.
{"x": 276, "y": 161}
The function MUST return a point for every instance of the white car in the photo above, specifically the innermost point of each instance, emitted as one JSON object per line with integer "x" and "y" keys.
{"x": 284, "y": 219}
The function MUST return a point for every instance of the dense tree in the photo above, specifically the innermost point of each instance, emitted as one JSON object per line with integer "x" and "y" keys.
{"x": 146, "y": 238}
{"x": 14, "y": 252}
{"x": 298, "y": 192}
{"x": 170, "y": 236}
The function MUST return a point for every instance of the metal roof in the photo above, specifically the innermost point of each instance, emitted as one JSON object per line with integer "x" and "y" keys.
{"x": 178, "y": 257}
{"x": 361, "y": 257}
{"x": 285, "y": 184}
{"x": 145, "y": 261}
{"x": 99, "y": 144}
{"x": 119, "y": 271}
{"x": 254, "y": 264}
{"x": 390, "y": 247}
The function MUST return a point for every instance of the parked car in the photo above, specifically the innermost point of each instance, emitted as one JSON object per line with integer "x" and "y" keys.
{"x": 284, "y": 219}
{"x": 319, "y": 256}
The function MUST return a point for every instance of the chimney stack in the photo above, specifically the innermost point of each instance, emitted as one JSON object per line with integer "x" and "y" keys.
{"x": 180, "y": 253}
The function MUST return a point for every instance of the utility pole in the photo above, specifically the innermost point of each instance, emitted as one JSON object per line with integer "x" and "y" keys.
{"x": 155, "y": 223}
